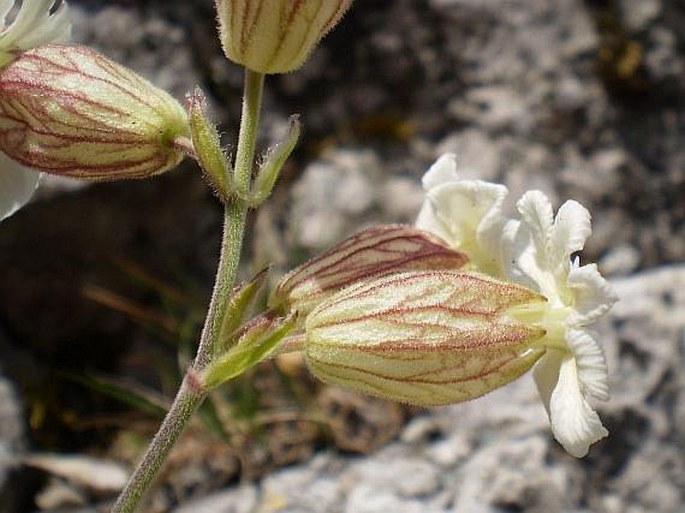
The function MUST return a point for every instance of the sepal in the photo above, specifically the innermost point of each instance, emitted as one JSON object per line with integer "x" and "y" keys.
{"x": 239, "y": 309}
{"x": 273, "y": 162}
{"x": 424, "y": 337}
{"x": 254, "y": 343}
{"x": 373, "y": 252}
{"x": 207, "y": 145}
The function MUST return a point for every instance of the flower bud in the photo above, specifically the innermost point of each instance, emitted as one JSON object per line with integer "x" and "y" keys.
{"x": 373, "y": 252}
{"x": 424, "y": 337}
{"x": 275, "y": 36}
{"x": 71, "y": 111}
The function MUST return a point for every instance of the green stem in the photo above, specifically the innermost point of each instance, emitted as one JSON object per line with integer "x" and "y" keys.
{"x": 191, "y": 393}
{"x": 187, "y": 400}
{"x": 235, "y": 216}
{"x": 249, "y": 120}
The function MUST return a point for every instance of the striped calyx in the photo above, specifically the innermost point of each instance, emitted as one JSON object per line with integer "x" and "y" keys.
{"x": 373, "y": 252}
{"x": 71, "y": 111}
{"x": 424, "y": 337}
{"x": 275, "y": 36}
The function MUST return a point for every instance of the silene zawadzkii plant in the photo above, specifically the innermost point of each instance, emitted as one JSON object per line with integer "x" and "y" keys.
{"x": 463, "y": 302}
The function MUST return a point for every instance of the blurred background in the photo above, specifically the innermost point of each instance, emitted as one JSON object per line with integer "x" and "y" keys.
{"x": 103, "y": 287}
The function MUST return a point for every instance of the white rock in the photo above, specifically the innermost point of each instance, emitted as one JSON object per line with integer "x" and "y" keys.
{"x": 237, "y": 500}
{"x": 100, "y": 476}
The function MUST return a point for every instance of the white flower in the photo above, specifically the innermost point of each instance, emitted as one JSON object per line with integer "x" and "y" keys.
{"x": 33, "y": 24}
{"x": 17, "y": 185}
{"x": 534, "y": 251}
{"x": 573, "y": 368}
{"x": 465, "y": 213}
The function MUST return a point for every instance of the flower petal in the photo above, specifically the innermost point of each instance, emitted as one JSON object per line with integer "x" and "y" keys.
{"x": 574, "y": 423}
{"x": 590, "y": 363}
{"x": 5, "y": 7}
{"x": 443, "y": 171}
{"x": 17, "y": 185}
{"x": 593, "y": 295}
{"x": 536, "y": 213}
{"x": 516, "y": 247}
{"x": 546, "y": 260}
{"x": 571, "y": 228}
{"x": 546, "y": 374}
{"x": 467, "y": 214}
{"x": 534, "y": 252}
{"x": 33, "y": 25}
{"x": 428, "y": 220}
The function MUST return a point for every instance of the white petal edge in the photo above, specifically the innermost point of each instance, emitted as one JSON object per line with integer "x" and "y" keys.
{"x": 593, "y": 295}
{"x": 532, "y": 256}
{"x": 443, "y": 171}
{"x": 574, "y": 423}
{"x": 429, "y": 221}
{"x": 546, "y": 374}
{"x": 591, "y": 364}
{"x": 467, "y": 215}
{"x": 572, "y": 228}
{"x": 34, "y": 25}
{"x": 5, "y": 7}
{"x": 538, "y": 217}
{"x": 17, "y": 185}
{"x": 517, "y": 253}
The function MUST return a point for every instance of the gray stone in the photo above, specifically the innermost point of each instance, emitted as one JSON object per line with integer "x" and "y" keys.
{"x": 238, "y": 500}
{"x": 663, "y": 59}
{"x": 12, "y": 443}
{"x": 621, "y": 260}
{"x": 636, "y": 15}
{"x": 400, "y": 198}
{"x": 332, "y": 197}
{"x": 510, "y": 473}
{"x": 406, "y": 476}
{"x": 478, "y": 155}
{"x": 450, "y": 451}
{"x": 101, "y": 477}
{"x": 58, "y": 495}
{"x": 307, "y": 488}
{"x": 368, "y": 498}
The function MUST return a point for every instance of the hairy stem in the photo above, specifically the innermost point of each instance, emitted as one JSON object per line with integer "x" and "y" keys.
{"x": 249, "y": 121}
{"x": 235, "y": 216}
{"x": 188, "y": 398}
{"x": 191, "y": 393}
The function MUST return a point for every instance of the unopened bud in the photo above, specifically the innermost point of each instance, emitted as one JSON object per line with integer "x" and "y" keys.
{"x": 424, "y": 337}
{"x": 373, "y": 252}
{"x": 71, "y": 111}
{"x": 275, "y": 36}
